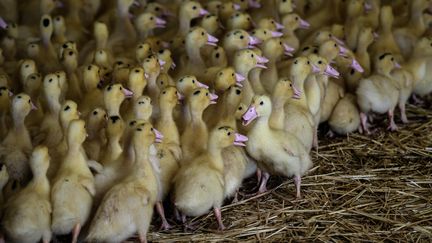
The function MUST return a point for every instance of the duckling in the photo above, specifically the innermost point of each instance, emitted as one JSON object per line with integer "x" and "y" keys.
{"x": 212, "y": 25}
{"x": 270, "y": 23}
{"x": 165, "y": 55}
{"x": 386, "y": 41}
{"x": 226, "y": 78}
{"x": 146, "y": 22}
{"x": 419, "y": 64}
{"x": 379, "y": 92}
{"x": 236, "y": 40}
{"x": 94, "y": 95}
{"x": 127, "y": 207}
{"x": 276, "y": 151}
{"x": 152, "y": 68}
{"x": 50, "y": 63}
{"x": 334, "y": 92}
{"x": 113, "y": 97}
{"x": 265, "y": 34}
{"x": 240, "y": 20}
{"x": 73, "y": 188}
{"x": 226, "y": 10}
{"x": 292, "y": 22}
{"x": 5, "y": 101}
{"x": 96, "y": 138}
{"x": 345, "y": 117}
{"x": 4, "y": 178}
{"x": 218, "y": 57}
{"x": 354, "y": 10}
{"x": 199, "y": 186}
{"x": 189, "y": 10}
{"x": 123, "y": 27}
{"x": 27, "y": 67}
{"x": 70, "y": 63}
{"x": 195, "y": 134}
{"x": 50, "y": 133}
{"x": 27, "y": 216}
{"x": 244, "y": 62}
{"x": 16, "y": 146}
{"x": 59, "y": 33}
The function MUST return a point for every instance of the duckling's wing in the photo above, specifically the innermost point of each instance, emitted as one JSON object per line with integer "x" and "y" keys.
{"x": 88, "y": 184}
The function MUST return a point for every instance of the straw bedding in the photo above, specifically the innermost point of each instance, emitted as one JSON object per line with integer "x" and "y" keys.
{"x": 363, "y": 189}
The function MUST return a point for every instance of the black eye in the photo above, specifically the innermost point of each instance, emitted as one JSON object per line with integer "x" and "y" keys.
{"x": 217, "y": 55}
{"x": 335, "y": 45}
{"x": 352, "y": 71}
{"x": 241, "y": 37}
{"x": 66, "y": 108}
{"x": 295, "y": 62}
{"x": 202, "y": 33}
{"x": 89, "y": 68}
{"x": 46, "y": 22}
{"x": 95, "y": 113}
{"x": 392, "y": 59}
{"x": 206, "y": 94}
{"x": 164, "y": 92}
{"x": 229, "y": 133}
{"x": 252, "y": 55}
{"x": 151, "y": 18}
{"x": 296, "y": 18}
{"x": 232, "y": 74}
{"x": 194, "y": 7}
{"x": 262, "y": 103}
{"x": 141, "y": 102}
{"x": 319, "y": 62}
{"x": 240, "y": 108}
{"x": 19, "y": 96}
{"x": 50, "y": 80}
{"x": 193, "y": 81}
{"x": 308, "y": 62}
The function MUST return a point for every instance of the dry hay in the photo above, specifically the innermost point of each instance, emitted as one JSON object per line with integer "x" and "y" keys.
{"x": 376, "y": 188}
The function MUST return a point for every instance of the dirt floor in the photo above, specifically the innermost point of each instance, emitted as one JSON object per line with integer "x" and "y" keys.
{"x": 376, "y": 188}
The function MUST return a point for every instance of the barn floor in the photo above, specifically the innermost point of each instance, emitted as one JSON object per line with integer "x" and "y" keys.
{"x": 376, "y": 188}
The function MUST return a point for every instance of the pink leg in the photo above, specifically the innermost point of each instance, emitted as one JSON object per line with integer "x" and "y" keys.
{"x": 235, "y": 197}
{"x": 417, "y": 100}
{"x": 75, "y": 232}
{"x": 142, "y": 238}
{"x": 315, "y": 139}
{"x": 392, "y": 125}
{"x": 363, "y": 118}
{"x": 404, "y": 118}
{"x": 218, "y": 215}
{"x": 297, "y": 182}
{"x": 177, "y": 214}
{"x": 263, "y": 184}
{"x": 165, "y": 225}
{"x": 330, "y": 134}
{"x": 259, "y": 176}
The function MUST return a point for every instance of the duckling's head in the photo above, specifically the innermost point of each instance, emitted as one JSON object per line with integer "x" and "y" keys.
{"x": 213, "y": 7}
{"x": 11, "y": 29}
{"x": 115, "y": 127}
{"x": 274, "y": 49}
{"x": 152, "y": 66}
{"x": 59, "y": 26}
{"x": 46, "y": 28}
{"x": 284, "y": 89}
{"x": 96, "y": 119}
{"x": 330, "y": 50}
{"x": 200, "y": 99}
{"x": 240, "y": 111}
{"x": 115, "y": 94}
{"x": 147, "y": 21}
{"x": 366, "y": 36}
{"x": 265, "y": 34}
{"x": 91, "y": 78}
{"x": 27, "y": 67}
{"x": 355, "y": 8}
{"x": 239, "y": 39}
{"x": 76, "y": 133}
{"x": 68, "y": 112}
{"x": 191, "y": 9}
{"x": 424, "y": 46}
{"x": 260, "y": 107}
{"x": 338, "y": 31}
{"x": 240, "y": 20}
{"x": 385, "y": 63}
{"x": 169, "y": 97}
{"x": 227, "y": 9}
{"x": 100, "y": 32}
{"x": 142, "y": 51}
{"x": 218, "y": 56}
{"x": 232, "y": 97}
{"x": 294, "y": 21}
{"x": 270, "y": 23}
{"x": 386, "y": 17}
{"x": 144, "y": 135}
{"x": 285, "y": 7}
{"x": 39, "y": 161}
{"x": 51, "y": 86}
{"x": 101, "y": 58}
{"x": 198, "y": 37}
{"x": 166, "y": 56}
{"x": 143, "y": 108}
{"x": 163, "y": 81}
{"x": 299, "y": 70}
{"x": 157, "y": 9}
{"x": 211, "y": 24}
{"x": 241, "y": 5}
{"x": 4, "y": 98}
{"x": 224, "y": 136}
{"x": 22, "y": 105}
{"x": 156, "y": 43}
{"x": 226, "y": 78}
{"x": 70, "y": 59}
{"x": 320, "y": 65}
{"x": 137, "y": 81}
{"x": 47, "y": 6}
{"x": 245, "y": 60}
{"x": 186, "y": 84}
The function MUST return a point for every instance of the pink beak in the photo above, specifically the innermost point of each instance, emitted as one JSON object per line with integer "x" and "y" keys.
{"x": 213, "y": 98}
{"x": 240, "y": 139}
{"x": 339, "y": 41}
{"x": 262, "y": 59}
{"x": 297, "y": 93}
{"x": 211, "y": 40}
{"x": 279, "y": 26}
{"x": 288, "y": 50}
{"x": 330, "y": 71}
{"x": 33, "y": 107}
{"x": 254, "y": 4}
{"x": 180, "y": 96}
{"x": 127, "y": 93}
{"x": 253, "y": 41}
{"x": 356, "y": 66}
{"x": 375, "y": 35}
{"x": 315, "y": 69}
{"x": 203, "y": 12}
{"x": 343, "y": 51}
{"x": 158, "y": 135}
{"x": 276, "y": 34}
{"x": 3, "y": 23}
{"x": 397, "y": 65}
{"x": 237, "y": 7}
{"x": 367, "y": 7}
{"x": 173, "y": 65}
{"x": 10, "y": 93}
{"x": 160, "y": 23}
{"x": 239, "y": 77}
{"x": 201, "y": 85}
{"x": 304, "y": 24}
{"x": 250, "y": 115}
{"x": 146, "y": 75}
{"x": 161, "y": 62}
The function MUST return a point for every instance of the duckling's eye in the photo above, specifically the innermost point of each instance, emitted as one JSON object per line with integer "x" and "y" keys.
{"x": 161, "y": 82}
{"x": 272, "y": 22}
{"x": 139, "y": 129}
{"x": 194, "y": 7}
{"x": 319, "y": 62}
{"x": 352, "y": 71}
{"x": 164, "y": 92}
{"x": 335, "y": 45}
{"x": 295, "y": 62}
{"x": 95, "y": 113}
{"x": 140, "y": 46}
{"x": 392, "y": 59}
{"x": 280, "y": 42}
{"x": 50, "y": 80}
{"x": 70, "y": 53}
{"x": 46, "y": 22}
{"x": 238, "y": 92}
{"x": 29, "y": 101}
{"x": 202, "y": 33}
{"x": 157, "y": 9}
{"x": 296, "y": 18}
{"x": 19, "y": 96}
{"x": 330, "y": 35}
{"x": 308, "y": 62}
{"x": 262, "y": 103}
{"x": 66, "y": 108}
{"x": 290, "y": 85}
{"x": 89, "y": 68}
{"x": 26, "y": 66}
{"x": 132, "y": 123}
{"x": 229, "y": 133}
{"x": 252, "y": 55}
{"x": 232, "y": 74}
{"x": 206, "y": 94}
{"x": 240, "y": 108}
{"x": 141, "y": 103}
{"x": 193, "y": 81}
{"x": 151, "y": 18}
{"x": 217, "y": 55}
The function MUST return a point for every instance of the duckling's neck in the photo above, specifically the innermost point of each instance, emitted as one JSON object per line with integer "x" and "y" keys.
{"x": 166, "y": 112}
{"x": 196, "y": 115}
{"x": 113, "y": 108}
{"x": 277, "y": 116}
{"x": 18, "y": 120}
{"x": 215, "y": 155}
{"x": 184, "y": 23}
{"x": 152, "y": 87}
{"x": 40, "y": 182}
{"x": 255, "y": 80}
{"x": 54, "y": 104}
{"x": 115, "y": 147}
{"x": 195, "y": 58}
{"x": 416, "y": 22}
{"x": 142, "y": 156}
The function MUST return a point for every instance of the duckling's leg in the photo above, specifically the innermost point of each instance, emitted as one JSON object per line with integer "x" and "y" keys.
{"x": 297, "y": 182}
{"x": 363, "y": 118}
{"x": 403, "y": 115}
{"x": 75, "y": 232}
{"x": 46, "y": 238}
{"x": 392, "y": 125}
{"x": 165, "y": 225}
{"x": 417, "y": 100}
{"x": 315, "y": 139}
{"x": 264, "y": 179}
{"x": 142, "y": 237}
{"x": 218, "y": 215}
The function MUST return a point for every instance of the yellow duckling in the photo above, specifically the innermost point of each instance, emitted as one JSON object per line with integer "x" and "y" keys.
{"x": 345, "y": 117}
{"x": 4, "y": 178}
{"x": 27, "y": 216}
{"x": 113, "y": 97}
{"x": 236, "y": 40}
{"x": 145, "y": 23}
{"x": 73, "y": 188}
{"x": 16, "y": 146}
{"x": 127, "y": 207}
{"x": 240, "y": 20}
{"x": 93, "y": 96}
{"x": 276, "y": 151}
{"x": 379, "y": 92}
{"x": 5, "y": 101}
{"x": 199, "y": 185}
{"x": 96, "y": 137}
{"x": 292, "y": 22}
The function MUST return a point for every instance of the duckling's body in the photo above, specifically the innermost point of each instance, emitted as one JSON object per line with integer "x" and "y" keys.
{"x": 345, "y": 117}
{"x": 27, "y": 215}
